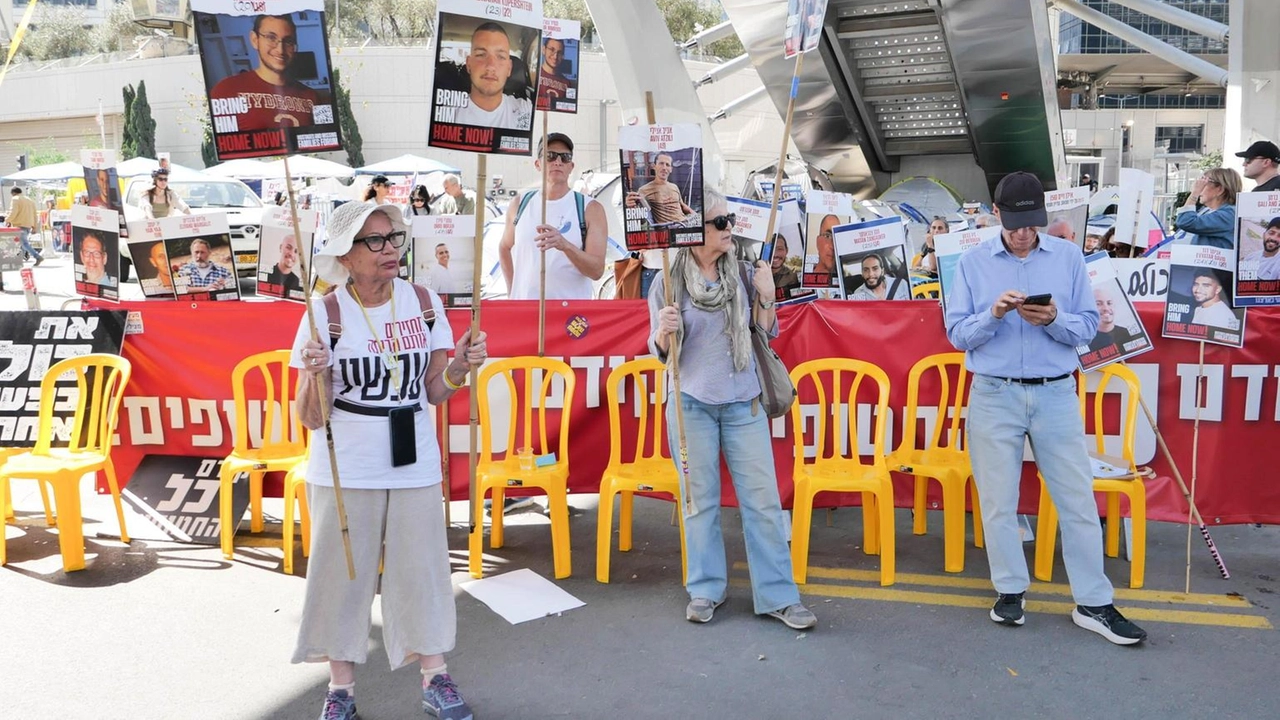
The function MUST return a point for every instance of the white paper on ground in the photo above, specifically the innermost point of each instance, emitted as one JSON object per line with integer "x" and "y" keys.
{"x": 521, "y": 595}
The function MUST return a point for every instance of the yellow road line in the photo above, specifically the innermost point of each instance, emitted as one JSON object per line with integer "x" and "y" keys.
{"x": 951, "y": 581}
{"x": 1184, "y": 617}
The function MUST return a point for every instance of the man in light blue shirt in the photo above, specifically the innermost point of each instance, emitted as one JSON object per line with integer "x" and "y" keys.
{"x": 1022, "y": 355}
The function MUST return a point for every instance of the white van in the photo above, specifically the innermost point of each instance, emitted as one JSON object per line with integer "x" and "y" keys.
{"x": 206, "y": 194}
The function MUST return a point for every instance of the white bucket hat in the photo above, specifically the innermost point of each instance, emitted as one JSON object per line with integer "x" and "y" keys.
{"x": 344, "y": 223}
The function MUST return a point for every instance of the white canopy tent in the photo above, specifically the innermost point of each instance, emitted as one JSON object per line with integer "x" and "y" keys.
{"x": 48, "y": 173}
{"x": 407, "y": 165}
{"x": 305, "y": 166}
{"x": 242, "y": 169}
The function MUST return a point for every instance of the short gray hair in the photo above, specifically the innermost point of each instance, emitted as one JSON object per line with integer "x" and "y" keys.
{"x": 451, "y": 179}
{"x": 711, "y": 198}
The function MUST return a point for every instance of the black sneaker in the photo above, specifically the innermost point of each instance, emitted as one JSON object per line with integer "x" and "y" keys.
{"x": 39, "y": 259}
{"x": 1107, "y": 621}
{"x": 1008, "y": 609}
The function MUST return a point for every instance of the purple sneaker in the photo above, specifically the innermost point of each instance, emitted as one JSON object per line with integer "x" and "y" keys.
{"x": 339, "y": 705}
{"x": 441, "y": 698}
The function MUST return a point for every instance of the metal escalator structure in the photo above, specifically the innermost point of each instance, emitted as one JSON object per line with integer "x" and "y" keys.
{"x": 959, "y": 90}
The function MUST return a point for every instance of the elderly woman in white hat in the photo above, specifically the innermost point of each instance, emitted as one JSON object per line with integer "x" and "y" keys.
{"x": 388, "y": 361}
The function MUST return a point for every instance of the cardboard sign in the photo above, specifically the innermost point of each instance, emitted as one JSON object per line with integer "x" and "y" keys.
{"x": 1068, "y": 212}
{"x": 268, "y": 77}
{"x": 480, "y": 102}
{"x": 198, "y": 250}
{"x": 444, "y": 252}
{"x": 949, "y": 247}
{"x": 872, "y": 259}
{"x": 1258, "y": 242}
{"x": 95, "y": 245}
{"x": 180, "y": 495}
{"x": 558, "y": 71}
{"x": 1198, "y": 307}
{"x": 804, "y": 26}
{"x": 661, "y": 185}
{"x": 279, "y": 272}
{"x": 150, "y": 260}
{"x": 1120, "y": 333}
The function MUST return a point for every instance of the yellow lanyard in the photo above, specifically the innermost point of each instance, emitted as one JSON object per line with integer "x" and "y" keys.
{"x": 388, "y": 355}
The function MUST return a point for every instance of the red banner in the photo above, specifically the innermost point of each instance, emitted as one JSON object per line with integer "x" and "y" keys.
{"x": 179, "y": 401}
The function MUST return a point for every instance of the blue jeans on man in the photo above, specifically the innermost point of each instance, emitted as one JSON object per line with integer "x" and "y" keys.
{"x": 24, "y": 238}
{"x": 744, "y": 438}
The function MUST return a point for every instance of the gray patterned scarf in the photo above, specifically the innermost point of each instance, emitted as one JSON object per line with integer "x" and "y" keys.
{"x": 722, "y": 296}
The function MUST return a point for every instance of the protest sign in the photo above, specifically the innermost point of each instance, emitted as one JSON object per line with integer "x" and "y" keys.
{"x": 661, "y": 185}
{"x": 150, "y": 261}
{"x": 824, "y": 211}
{"x": 1120, "y": 334}
{"x": 558, "y": 71}
{"x": 872, "y": 259}
{"x": 483, "y": 93}
{"x": 803, "y": 26}
{"x": 95, "y": 246}
{"x": 949, "y": 247}
{"x": 1258, "y": 242}
{"x": 199, "y": 253}
{"x": 279, "y": 272}
{"x": 444, "y": 256}
{"x": 1198, "y": 306}
{"x": 1068, "y": 212}
{"x": 268, "y": 77}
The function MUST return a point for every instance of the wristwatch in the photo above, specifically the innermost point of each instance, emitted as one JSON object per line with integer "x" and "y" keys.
{"x": 764, "y": 306}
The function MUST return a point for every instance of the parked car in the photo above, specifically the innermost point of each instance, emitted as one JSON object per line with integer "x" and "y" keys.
{"x": 206, "y": 194}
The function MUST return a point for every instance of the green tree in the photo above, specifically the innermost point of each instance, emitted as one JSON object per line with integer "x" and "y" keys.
{"x": 381, "y": 20}
{"x": 685, "y": 18}
{"x": 57, "y": 32}
{"x": 44, "y": 153}
{"x": 207, "y": 153}
{"x": 144, "y": 125}
{"x": 347, "y": 121}
{"x": 118, "y": 31}
{"x": 1208, "y": 161}
{"x": 570, "y": 10}
{"x": 128, "y": 143}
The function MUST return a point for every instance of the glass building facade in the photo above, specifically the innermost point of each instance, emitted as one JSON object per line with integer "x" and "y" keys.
{"x": 1077, "y": 36}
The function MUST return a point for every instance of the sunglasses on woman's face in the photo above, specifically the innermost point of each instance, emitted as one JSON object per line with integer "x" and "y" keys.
{"x": 421, "y": 200}
{"x": 723, "y": 222}
{"x": 376, "y": 243}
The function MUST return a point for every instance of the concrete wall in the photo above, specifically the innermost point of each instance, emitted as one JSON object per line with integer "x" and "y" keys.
{"x": 1101, "y": 132}
{"x": 390, "y": 89}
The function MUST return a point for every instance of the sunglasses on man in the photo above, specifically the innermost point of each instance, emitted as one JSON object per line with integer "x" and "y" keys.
{"x": 564, "y": 157}
{"x": 723, "y": 222}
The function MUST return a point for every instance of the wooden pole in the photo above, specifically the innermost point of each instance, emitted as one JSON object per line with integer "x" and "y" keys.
{"x": 472, "y": 452}
{"x": 322, "y": 389}
{"x": 782, "y": 154}
{"x": 542, "y": 254}
{"x": 442, "y": 414}
{"x": 1195, "y": 457}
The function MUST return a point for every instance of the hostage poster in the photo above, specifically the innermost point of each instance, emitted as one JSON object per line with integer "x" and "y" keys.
{"x": 872, "y": 258}
{"x": 1199, "y": 304}
{"x": 486, "y": 75}
{"x": 824, "y": 212}
{"x": 444, "y": 252}
{"x": 1120, "y": 334}
{"x": 558, "y": 70}
{"x": 199, "y": 252}
{"x": 1068, "y": 212}
{"x": 1258, "y": 241}
{"x": 95, "y": 245}
{"x": 949, "y": 247}
{"x": 150, "y": 260}
{"x": 661, "y": 185}
{"x": 279, "y": 272}
{"x": 268, "y": 76}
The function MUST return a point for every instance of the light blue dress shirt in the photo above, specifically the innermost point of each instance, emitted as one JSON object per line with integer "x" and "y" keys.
{"x": 1011, "y": 347}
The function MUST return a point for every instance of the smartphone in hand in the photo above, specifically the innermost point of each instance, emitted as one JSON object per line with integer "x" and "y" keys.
{"x": 1038, "y": 299}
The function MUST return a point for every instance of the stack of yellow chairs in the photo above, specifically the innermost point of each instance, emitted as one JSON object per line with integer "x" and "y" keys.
{"x": 284, "y": 442}
{"x": 100, "y": 381}
{"x": 1130, "y": 486}
{"x": 647, "y": 470}
{"x": 836, "y": 465}
{"x": 529, "y": 383}
{"x": 940, "y": 454}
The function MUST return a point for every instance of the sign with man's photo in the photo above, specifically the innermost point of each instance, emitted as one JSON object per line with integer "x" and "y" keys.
{"x": 279, "y": 249}
{"x": 268, "y": 76}
{"x": 198, "y": 248}
{"x": 1258, "y": 241}
{"x": 949, "y": 247}
{"x": 662, "y": 185}
{"x": 102, "y": 182}
{"x": 1120, "y": 334}
{"x": 444, "y": 254}
{"x": 824, "y": 212}
{"x": 1068, "y": 212}
{"x": 1199, "y": 305}
{"x": 872, "y": 258}
{"x": 150, "y": 260}
{"x": 559, "y": 69}
{"x": 486, "y": 75}
{"x": 95, "y": 245}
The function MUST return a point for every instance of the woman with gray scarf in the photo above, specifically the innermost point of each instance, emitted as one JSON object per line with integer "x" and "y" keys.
{"x": 719, "y": 398}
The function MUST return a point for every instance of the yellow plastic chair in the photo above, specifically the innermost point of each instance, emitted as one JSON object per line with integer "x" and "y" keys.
{"x": 6, "y": 500}
{"x": 284, "y": 443}
{"x": 927, "y": 291}
{"x": 529, "y": 382}
{"x": 100, "y": 381}
{"x": 295, "y": 492}
{"x": 840, "y": 469}
{"x": 940, "y": 454}
{"x": 648, "y": 470}
{"x": 1113, "y": 488}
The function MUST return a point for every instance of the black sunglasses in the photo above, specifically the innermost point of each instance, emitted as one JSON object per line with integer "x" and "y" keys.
{"x": 419, "y": 199}
{"x": 376, "y": 243}
{"x": 723, "y": 222}
{"x": 565, "y": 157}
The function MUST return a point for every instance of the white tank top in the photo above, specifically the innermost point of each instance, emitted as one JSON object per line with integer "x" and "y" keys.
{"x": 564, "y": 282}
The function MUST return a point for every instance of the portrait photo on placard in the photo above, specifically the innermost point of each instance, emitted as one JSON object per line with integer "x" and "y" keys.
{"x": 1199, "y": 302}
{"x": 279, "y": 269}
{"x": 97, "y": 261}
{"x": 661, "y": 185}
{"x": 203, "y": 267}
{"x": 485, "y": 78}
{"x": 558, "y": 70}
{"x": 876, "y": 275}
{"x": 820, "y": 265}
{"x": 444, "y": 256}
{"x": 269, "y": 78}
{"x": 1258, "y": 243}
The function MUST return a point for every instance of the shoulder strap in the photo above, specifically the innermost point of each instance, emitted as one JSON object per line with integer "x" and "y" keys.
{"x": 893, "y": 289}
{"x": 524, "y": 203}
{"x": 333, "y": 310}
{"x": 745, "y": 275}
{"x": 582, "y": 215}
{"x": 425, "y": 305}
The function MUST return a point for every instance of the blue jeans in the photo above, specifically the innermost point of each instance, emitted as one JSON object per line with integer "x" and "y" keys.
{"x": 1001, "y": 414}
{"x": 646, "y": 280}
{"x": 749, "y": 453}
{"x": 25, "y": 241}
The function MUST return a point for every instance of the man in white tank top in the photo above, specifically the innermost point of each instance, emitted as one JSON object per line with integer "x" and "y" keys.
{"x": 574, "y": 262}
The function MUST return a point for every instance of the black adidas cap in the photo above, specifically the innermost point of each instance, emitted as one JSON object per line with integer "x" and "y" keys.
{"x": 1020, "y": 199}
